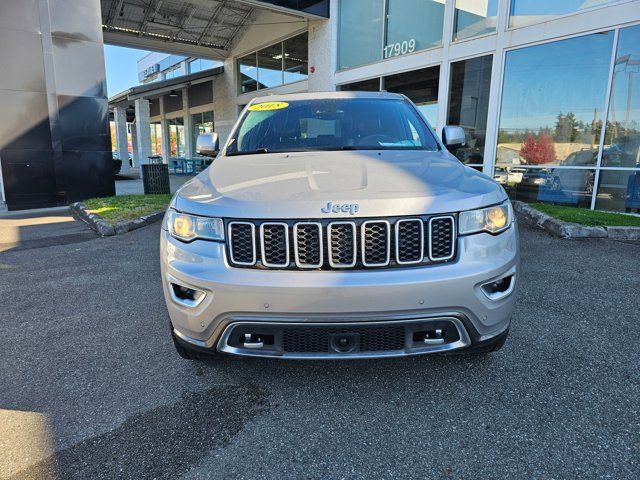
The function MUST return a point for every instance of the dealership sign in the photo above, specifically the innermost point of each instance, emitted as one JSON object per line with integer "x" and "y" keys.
{"x": 150, "y": 70}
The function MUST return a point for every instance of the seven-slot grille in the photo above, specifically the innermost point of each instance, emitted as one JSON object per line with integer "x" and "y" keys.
{"x": 341, "y": 244}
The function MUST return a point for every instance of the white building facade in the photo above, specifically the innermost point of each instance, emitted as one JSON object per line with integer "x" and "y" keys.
{"x": 548, "y": 92}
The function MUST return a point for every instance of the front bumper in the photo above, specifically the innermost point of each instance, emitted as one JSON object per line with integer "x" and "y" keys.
{"x": 233, "y": 297}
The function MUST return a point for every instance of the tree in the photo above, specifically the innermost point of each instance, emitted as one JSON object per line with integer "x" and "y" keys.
{"x": 566, "y": 127}
{"x": 538, "y": 150}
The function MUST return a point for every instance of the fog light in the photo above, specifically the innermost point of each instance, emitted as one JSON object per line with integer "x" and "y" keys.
{"x": 500, "y": 288}
{"x": 187, "y": 296}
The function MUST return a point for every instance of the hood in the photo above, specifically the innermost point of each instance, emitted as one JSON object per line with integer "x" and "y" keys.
{"x": 356, "y": 183}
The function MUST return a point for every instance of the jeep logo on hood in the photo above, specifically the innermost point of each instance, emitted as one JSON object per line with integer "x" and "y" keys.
{"x": 350, "y": 208}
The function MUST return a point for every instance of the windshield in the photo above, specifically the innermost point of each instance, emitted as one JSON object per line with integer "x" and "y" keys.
{"x": 331, "y": 124}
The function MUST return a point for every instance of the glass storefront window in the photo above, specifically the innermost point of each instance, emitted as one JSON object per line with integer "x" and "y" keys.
{"x": 248, "y": 73}
{"x": 619, "y": 190}
{"x": 175, "y": 73}
{"x": 469, "y": 105}
{"x": 360, "y": 32}
{"x": 371, "y": 85}
{"x": 270, "y": 66}
{"x": 622, "y": 137}
{"x": 201, "y": 123}
{"x": 525, "y": 12}
{"x": 156, "y": 138}
{"x": 475, "y": 17}
{"x": 296, "y": 58}
{"x": 552, "y": 102}
{"x": 200, "y": 64}
{"x": 367, "y": 33}
{"x": 421, "y": 87}
{"x": 176, "y": 137}
{"x": 413, "y": 25}
{"x": 284, "y": 62}
{"x": 551, "y": 185}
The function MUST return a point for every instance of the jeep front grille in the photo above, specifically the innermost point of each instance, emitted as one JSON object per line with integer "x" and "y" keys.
{"x": 307, "y": 244}
{"x": 441, "y": 238}
{"x": 275, "y": 244}
{"x": 341, "y": 244}
{"x": 242, "y": 243}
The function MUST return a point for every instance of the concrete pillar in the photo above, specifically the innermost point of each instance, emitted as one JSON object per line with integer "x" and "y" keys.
{"x": 143, "y": 129}
{"x": 322, "y": 53}
{"x": 189, "y": 147}
{"x": 225, "y": 91}
{"x": 3, "y": 203}
{"x": 52, "y": 98}
{"x": 120, "y": 119}
{"x": 134, "y": 145}
{"x": 166, "y": 140}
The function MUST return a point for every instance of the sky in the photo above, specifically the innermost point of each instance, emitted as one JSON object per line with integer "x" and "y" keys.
{"x": 122, "y": 71}
{"x": 543, "y": 81}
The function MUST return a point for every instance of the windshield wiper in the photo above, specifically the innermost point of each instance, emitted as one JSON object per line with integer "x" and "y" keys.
{"x": 250, "y": 152}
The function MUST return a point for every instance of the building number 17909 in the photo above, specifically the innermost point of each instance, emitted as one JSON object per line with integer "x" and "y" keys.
{"x": 399, "y": 48}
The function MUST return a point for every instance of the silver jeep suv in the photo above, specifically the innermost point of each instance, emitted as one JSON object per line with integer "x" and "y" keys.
{"x": 337, "y": 225}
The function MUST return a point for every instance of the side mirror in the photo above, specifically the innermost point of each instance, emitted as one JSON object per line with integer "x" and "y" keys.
{"x": 453, "y": 136}
{"x": 208, "y": 144}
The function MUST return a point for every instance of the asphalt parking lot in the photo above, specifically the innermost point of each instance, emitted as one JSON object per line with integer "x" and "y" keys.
{"x": 90, "y": 386}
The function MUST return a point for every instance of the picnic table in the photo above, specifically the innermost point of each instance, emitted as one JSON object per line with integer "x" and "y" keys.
{"x": 189, "y": 166}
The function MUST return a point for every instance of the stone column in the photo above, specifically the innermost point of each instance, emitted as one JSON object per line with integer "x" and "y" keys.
{"x": 143, "y": 130}
{"x": 189, "y": 147}
{"x": 166, "y": 139}
{"x": 3, "y": 203}
{"x": 54, "y": 123}
{"x": 134, "y": 146}
{"x": 225, "y": 108}
{"x": 120, "y": 119}
{"x": 322, "y": 53}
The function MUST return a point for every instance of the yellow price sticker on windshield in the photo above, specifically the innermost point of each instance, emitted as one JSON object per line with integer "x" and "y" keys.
{"x": 264, "y": 107}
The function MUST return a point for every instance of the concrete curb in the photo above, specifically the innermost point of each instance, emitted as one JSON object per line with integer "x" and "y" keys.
{"x": 97, "y": 223}
{"x": 563, "y": 229}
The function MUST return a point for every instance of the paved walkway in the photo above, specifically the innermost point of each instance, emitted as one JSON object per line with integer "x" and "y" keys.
{"x": 134, "y": 186}
{"x": 46, "y": 227}
{"x": 41, "y": 228}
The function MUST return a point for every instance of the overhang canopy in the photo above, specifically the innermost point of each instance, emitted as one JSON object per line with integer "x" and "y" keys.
{"x": 156, "y": 89}
{"x": 200, "y": 28}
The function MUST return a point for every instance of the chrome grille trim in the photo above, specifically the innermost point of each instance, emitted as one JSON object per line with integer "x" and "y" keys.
{"x": 253, "y": 242}
{"x": 397, "y": 240}
{"x": 263, "y": 248}
{"x": 387, "y": 242}
{"x": 453, "y": 238}
{"x": 296, "y": 250}
{"x": 363, "y": 248}
{"x": 330, "y": 245}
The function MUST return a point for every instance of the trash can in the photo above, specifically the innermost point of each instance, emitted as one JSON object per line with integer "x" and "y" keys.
{"x": 155, "y": 178}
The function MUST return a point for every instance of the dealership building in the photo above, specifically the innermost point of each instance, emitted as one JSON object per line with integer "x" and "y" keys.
{"x": 547, "y": 91}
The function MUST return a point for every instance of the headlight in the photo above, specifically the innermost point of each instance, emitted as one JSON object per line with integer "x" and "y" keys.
{"x": 490, "y": 219}
{"x": 190, "y": 227}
